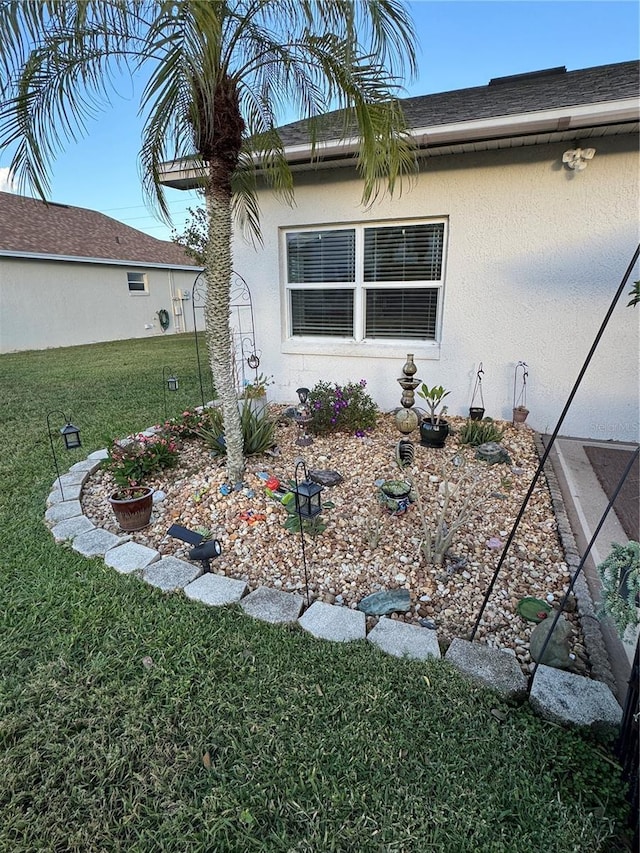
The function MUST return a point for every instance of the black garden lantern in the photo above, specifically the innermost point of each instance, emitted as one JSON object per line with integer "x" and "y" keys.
{"x": 171, "y": 379}
{"x": 71, "y": 437}
{"x": 169, "y": 383}
{"x": 307, "y": 495}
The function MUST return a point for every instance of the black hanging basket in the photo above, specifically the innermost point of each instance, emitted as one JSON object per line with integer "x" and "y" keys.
{"x": 476, "y": 413}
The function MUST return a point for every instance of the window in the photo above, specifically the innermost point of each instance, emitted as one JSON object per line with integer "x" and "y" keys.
{"x": 366, "y": 282}
{"x": 137, "y": 282}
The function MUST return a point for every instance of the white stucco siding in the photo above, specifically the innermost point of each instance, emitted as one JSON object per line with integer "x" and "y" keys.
{"x": 534, "y": 255}
{"x": 56, "y": 303}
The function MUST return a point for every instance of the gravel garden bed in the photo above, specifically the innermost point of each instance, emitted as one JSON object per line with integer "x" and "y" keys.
{"x": 364, "y": 547}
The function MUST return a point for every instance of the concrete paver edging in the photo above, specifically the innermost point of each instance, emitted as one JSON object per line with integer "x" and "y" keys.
{"x": 491, "y": 667}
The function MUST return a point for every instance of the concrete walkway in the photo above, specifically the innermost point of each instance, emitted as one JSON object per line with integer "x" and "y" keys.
{"x": 585, "y": 502}
{"x": 556, "y": 695}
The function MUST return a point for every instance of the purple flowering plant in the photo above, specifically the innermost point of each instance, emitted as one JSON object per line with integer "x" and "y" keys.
{"x": 341, "y": 408}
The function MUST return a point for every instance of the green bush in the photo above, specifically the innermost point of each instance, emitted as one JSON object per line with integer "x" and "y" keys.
{"x": 258, "y": 430}
{"x": 620, "y": 576}
{"x": 479, "y": 432}
{"x": 132, "y": 460}
{"x": 336, "y": 408}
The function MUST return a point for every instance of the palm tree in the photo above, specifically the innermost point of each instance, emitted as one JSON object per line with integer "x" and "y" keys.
{"x": 217, "y": 74}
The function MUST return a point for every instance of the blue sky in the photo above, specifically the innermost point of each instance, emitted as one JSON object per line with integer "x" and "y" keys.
{"x": 461, "y": 43}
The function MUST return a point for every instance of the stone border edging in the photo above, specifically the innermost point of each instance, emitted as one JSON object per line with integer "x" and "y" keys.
{"x": 563, "y": 697}
{"x": 593, "y": 639}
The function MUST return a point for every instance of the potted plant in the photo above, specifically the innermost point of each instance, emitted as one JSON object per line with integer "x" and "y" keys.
{"x": 132, "y": 506}
{"x": 130, "y": 461}
{"x": 520, "y": 410}
{"x": 434, "y": 429}
{"x": 255, "y": 393}
{"x": 620, "y": 576}
{"x": 395, "y": 495}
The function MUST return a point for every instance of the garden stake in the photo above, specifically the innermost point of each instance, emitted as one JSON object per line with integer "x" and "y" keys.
{"x": 71, "y": 436}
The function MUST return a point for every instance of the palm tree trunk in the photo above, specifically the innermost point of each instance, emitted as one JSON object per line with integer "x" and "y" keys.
{"x": 217, "y": 313}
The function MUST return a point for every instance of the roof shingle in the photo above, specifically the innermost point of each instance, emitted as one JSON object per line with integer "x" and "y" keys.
{"x": 521, "y": 93}
{"x": 29, "y": 225}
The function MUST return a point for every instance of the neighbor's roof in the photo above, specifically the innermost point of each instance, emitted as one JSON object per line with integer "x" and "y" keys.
{"x": 553, "y": 105}
{"x": 32, "y": 228}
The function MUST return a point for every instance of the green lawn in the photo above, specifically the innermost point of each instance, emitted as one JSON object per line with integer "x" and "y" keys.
{"x": 239, "y": 736}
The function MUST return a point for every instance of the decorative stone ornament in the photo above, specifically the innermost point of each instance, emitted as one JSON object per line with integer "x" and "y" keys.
{"x": 406, "y": 418}
{"x": 405, "y": 452}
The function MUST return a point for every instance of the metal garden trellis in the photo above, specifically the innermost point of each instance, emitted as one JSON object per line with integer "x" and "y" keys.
{"x": 243, "y": 338}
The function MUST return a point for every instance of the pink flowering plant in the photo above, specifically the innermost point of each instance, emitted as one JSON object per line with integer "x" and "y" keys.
{"x": 187, "y": 424}
{"x": 132, "y": 460}
{"x": 341, "y": 408}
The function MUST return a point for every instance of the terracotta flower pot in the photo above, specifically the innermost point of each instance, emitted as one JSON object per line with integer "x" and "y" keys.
{"x": 520, "y": 415}
{"x": 132, "y": 507}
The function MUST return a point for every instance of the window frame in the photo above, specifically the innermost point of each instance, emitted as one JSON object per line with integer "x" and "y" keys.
{"x": 359, "y": 343}
{"x": 145, "y": 283}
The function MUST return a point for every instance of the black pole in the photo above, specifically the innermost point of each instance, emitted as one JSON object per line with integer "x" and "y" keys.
{"x": 580, "y": 566}
{"x": 549, "y": 446}
{"x": 304, "y": 556}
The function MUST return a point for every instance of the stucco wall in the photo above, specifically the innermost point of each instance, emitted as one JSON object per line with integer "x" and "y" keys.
{"x": 56, "y": 303}
{"x": 535, "y": 253}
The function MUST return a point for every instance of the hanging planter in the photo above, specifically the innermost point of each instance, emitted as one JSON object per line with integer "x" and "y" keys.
{"x": 520, "y": 410}
{"x": 132, "y": 507}
{"x": 476, "y": 412}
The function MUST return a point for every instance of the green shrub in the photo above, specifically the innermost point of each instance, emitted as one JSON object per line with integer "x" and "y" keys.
{"x": 258, "y": 430}
{"x": 346, "y": 408}
{"x": 620, "y": 576}
{"x": 132, "y": 460}
{"x": 187, "y": 424}
{"x": 479, "y": 432}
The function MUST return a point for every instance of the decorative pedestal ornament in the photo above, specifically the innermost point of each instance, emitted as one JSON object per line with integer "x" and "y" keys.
{"x": 406, "y": 418}
{"x": 303, "y": 418}
{"x": 405, "y": 452}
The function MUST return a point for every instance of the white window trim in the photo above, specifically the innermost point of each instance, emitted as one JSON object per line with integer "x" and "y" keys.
{"x": 145, "y": 277}
{"x": 359, "y": 346}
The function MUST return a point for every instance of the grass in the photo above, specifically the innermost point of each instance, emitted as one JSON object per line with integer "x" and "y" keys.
{"x": 133, "y": 721}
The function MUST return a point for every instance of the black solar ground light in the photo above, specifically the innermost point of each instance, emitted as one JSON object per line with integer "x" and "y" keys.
{"x": 169, "y": 383}
{"x": 204, "y": 551}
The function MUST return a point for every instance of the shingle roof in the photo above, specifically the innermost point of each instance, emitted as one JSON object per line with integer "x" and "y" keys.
{"x": 522, "y": 93}
{"x": 28, "y": 225}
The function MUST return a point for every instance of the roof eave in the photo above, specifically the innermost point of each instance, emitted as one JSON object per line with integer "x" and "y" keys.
{"x": 43, "y": 256}
{"x": 575, "y": 117}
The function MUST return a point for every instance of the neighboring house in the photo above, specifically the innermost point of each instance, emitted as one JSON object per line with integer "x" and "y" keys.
{"x": 73, "y": 276}
{"x": 498, "y": 251}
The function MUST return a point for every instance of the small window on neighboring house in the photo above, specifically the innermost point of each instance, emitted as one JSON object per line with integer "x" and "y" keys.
{"x": 367, "y": 282}
{"x": 137, "y": 282}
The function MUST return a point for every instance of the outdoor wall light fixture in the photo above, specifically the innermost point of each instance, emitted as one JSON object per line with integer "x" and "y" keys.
{"x": 71, "y": 437}
{"x": 169, "y": 383}
{"x": 576, "y": 159}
